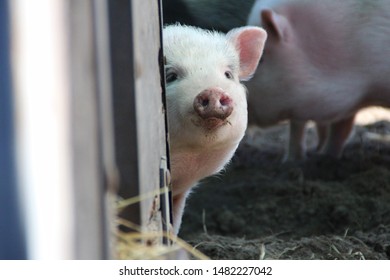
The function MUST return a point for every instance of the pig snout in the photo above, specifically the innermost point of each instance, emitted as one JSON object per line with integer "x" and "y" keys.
{"x": 213, "y": 103}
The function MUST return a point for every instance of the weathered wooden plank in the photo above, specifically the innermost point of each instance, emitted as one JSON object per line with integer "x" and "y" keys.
{"x": 88, "y": 170}
{"x": 139, "y": 107}
{"x": 123, "y": 84}
{"x": 149, "y": 105}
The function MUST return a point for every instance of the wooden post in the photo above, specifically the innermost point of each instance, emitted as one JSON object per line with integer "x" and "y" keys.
{"x": 62, "y": 103}
{"x": 92, "y": 129}
{"x": 139, "y": 107}
{"x": 68, "y": 164}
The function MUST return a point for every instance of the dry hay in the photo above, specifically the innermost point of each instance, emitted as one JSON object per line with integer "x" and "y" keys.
{"x": 332, "y": 247}
{"x": 142, "y": 245}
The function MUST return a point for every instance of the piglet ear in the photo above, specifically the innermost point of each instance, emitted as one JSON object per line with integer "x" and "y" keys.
{"x": 276, "y": 25}
{"x": 249, "y": 42}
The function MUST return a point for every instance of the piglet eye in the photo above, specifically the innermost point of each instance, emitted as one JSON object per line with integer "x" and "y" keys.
{"x": 171, "y": 77}
{"x": 229, "y": 75}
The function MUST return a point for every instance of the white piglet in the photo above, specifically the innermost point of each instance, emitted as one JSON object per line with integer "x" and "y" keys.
{"x": 323, "y": 61}
{"x": 207, "y": 109}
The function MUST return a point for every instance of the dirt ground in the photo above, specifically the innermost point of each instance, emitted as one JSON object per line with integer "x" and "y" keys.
{"x": 321, "y": 208}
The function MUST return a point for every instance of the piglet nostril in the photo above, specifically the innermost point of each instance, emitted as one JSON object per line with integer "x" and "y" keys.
{"x": 205, "y": 102}
{"x": 225, "y": 100}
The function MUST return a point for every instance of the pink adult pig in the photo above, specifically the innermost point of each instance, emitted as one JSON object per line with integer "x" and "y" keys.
{"x": 207, "y": 109}
{"x": 323, "y": 61}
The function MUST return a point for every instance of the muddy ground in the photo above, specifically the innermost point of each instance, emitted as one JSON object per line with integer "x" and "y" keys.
{"x": 321, "y": 208}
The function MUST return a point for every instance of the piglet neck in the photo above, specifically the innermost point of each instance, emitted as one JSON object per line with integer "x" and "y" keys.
{"x": 188, "y": 168}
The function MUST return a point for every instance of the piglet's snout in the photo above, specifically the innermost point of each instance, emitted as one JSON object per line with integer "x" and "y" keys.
{"x": 213, "y": 103}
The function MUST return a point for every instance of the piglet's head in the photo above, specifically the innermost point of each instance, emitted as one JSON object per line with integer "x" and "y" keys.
{"x": 206, "y": 101}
